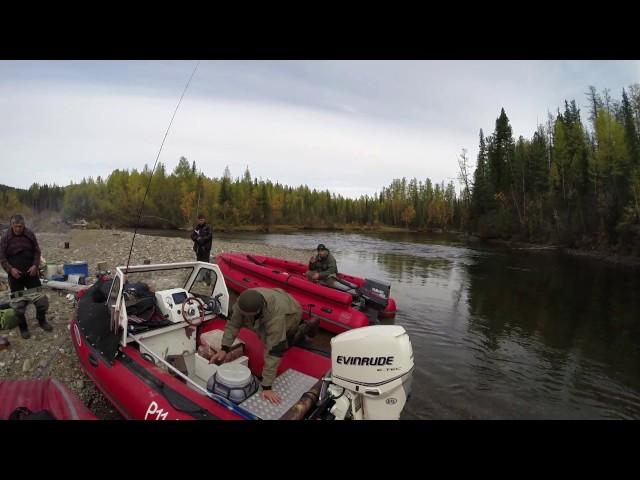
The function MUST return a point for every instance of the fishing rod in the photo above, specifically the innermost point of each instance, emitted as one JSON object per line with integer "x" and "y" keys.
{"x": 199, "y": 187}
{"x": 156, "y": 162}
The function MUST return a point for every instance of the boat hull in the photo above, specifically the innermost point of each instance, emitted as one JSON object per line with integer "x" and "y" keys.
{"x": 47, "y": 394}
{"x": 140, "y": 390}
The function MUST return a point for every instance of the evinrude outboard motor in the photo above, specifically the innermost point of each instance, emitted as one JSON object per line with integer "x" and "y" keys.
{"x": 371, "y": 374}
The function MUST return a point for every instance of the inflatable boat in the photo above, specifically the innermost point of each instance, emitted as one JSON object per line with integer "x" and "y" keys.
{"x": 145, "y": 339}
{"x": 352, "y": 302}
{"x": 44, "y": 399}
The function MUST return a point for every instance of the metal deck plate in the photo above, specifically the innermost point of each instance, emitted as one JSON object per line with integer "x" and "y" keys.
{"x": 290, "y": 386}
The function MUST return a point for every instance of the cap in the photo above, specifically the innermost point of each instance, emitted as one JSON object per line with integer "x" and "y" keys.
{"x": 250, "y": 302}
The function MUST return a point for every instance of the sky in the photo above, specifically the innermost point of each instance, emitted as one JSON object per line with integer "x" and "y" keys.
{"x": 346, "y": 126}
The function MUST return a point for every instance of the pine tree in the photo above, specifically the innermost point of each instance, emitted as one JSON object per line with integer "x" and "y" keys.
{"x": 183, "y": 169}
{"x": 480, "y": 201}
{"x": 247, "y": 175}
{"x": 539, "y": 172}
{"x": 500, "y": 154}
{"x": 631, "y": 134}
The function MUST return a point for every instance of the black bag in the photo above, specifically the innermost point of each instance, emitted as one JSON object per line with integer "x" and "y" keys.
{"x": 99, "y": 291}
{"x": 139, "y": 299}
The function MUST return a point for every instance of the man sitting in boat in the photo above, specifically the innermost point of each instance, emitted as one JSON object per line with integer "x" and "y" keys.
{"x": 322, "y": 267}
{"x": 275, "y": 316}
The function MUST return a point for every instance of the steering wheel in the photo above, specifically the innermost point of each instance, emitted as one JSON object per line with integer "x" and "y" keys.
{"x": 214, "y": 305}
{"x": 200, "y": 308}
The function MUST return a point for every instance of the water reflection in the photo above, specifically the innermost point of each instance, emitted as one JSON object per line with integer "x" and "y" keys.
{"x": 408, "y": 268}
{"x": 569, "y": 308}
{"x": 565, "y": 330}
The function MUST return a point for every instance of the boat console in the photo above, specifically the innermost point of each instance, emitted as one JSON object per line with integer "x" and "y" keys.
{"x": 170, "y": 303}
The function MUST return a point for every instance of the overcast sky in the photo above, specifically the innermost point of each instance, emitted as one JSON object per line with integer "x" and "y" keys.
{"x": 347, "y": 126}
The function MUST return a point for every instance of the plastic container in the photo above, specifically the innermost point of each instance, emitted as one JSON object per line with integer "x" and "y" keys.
{"x": 53, "y": 269}
{"x": 233, "y": 381}
{"x": 204, "y": 370}
{"x": 76, "y": 268}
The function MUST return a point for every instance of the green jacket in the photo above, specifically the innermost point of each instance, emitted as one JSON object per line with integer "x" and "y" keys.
{"x": 324, "y": 266}
{"x": 281, "y": 314}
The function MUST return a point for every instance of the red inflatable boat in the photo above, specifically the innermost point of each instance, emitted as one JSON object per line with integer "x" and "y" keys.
{"x": 145, "y": 339}
{"x": 357, "y": 302}
{"x": 46, "y": 399}
{"x": 149, "y": 366}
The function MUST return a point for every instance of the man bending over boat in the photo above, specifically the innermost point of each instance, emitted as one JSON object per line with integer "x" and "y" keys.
{"x": 275, "y": 316}
{"x": 322, "y": 267}
{"x": 20, "y": 257}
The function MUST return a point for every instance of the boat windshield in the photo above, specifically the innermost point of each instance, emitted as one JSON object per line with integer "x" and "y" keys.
{"x": 158, "y": 280}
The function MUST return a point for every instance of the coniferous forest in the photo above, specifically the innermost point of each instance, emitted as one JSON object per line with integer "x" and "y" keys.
{"x": 575, "y": 182}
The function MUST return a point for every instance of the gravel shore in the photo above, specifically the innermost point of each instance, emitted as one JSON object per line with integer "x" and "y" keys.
{"x": 51, "y": 354}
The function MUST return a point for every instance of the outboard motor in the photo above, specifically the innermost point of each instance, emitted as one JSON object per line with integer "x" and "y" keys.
{"x": 376, "y": 293}
{"x": 372, "y": 369}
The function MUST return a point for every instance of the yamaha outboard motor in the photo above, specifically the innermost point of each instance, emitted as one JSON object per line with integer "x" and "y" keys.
{"x": 376, "y": 293}
{"x": 372, "y": 369}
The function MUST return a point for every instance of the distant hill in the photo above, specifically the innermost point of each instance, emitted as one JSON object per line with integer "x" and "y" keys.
{"x": 7, "y": 188}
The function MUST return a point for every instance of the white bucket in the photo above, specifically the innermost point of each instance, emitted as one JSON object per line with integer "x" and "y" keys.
{"x": 53, "y": 269}
{"x": 233, "y": 381}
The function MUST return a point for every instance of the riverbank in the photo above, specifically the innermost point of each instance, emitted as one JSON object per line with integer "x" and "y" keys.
{"x": 626, "y": 262}
{"x": 51, "y": 354}
{"x": 294, "y": 229}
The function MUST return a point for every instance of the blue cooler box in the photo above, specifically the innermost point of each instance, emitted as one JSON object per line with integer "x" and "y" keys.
{"x": 76, "y": 268}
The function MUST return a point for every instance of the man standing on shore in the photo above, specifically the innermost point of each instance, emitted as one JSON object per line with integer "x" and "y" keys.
{"x": 20, "y": 257}
{"x": 202, "y": 237}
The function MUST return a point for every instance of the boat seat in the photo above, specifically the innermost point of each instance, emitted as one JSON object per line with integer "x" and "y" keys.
{"x": 342, "y": 286}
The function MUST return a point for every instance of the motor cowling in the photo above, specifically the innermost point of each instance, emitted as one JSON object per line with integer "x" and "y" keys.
{"x": 374, "y": 367}
{"x": 376, "y": 293}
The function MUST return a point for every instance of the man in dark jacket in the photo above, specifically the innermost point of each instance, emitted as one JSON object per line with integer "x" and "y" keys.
{"x": 322, "y": 267}
{"x": 202, "y": 237}
{"x": 20, "y": 257}
{"x": 275, "y": 316}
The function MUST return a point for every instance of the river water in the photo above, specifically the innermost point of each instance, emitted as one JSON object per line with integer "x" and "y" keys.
{"x": 499, "y": 335}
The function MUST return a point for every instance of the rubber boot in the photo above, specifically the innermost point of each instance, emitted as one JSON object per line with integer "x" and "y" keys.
{"x": 22, "y": 324}
{"x": 42, "y": 321}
